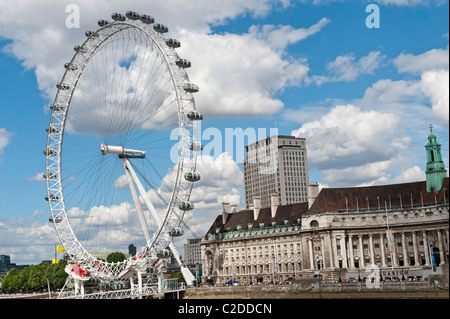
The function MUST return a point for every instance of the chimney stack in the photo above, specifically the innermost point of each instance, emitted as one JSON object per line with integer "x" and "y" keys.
{"x": 233, "y": 208}
{"x": 225, "y": 212}
{"x": 274, "y": 204}
{"x": 256, "y": 207}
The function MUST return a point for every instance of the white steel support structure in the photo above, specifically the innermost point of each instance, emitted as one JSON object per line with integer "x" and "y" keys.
{"x": 134, "y": 181}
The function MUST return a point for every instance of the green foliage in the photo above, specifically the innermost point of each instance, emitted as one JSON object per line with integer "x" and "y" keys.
{"x": 115, "y": 257}
{"x": 178, "y": 275}
{"x": 34, "y": 278}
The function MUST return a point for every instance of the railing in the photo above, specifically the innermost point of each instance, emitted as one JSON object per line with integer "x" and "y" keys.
{"x": 149, "y": 290}
{"x": 169, "y": 285}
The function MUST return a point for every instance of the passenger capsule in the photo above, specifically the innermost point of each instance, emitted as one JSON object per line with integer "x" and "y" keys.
{"x": 173, "y": 43}
{"x": 91, "y": 34}
{"x": 183, "y": 63}
{"x": 196, "y": 146}
{"x": 51, "y": 198}
{"x": 186, "y": 206}
{"x": 49, "y": 152}
{"x": 55, "y": 220}
{"x": 63, "y": 86}
{"x": 176, "y": 232}
{"x": 70, "y": 66}
{"x": 52, "y": 129}
{"x": 80, "y": 49}
{"x": 145, "y": 18}
{"x": 57, "y": 107}
{"x": 190, "y": 88}
{"x": 192, "y": 177}
{"x": 195, "y": 116}
{"x": 161, "y": 28}
{"x": 132, "y": 15}
{"x": 102, "y": 23}
{"x": 163, "y": 253}
{"x": 118, "y": 17}
{"x": 49, "y": 175}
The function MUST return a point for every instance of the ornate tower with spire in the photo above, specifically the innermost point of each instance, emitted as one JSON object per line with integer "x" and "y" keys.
{"x": 436, "y": 171}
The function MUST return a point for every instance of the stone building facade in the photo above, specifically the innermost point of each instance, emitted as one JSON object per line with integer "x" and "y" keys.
{"x": 389, "y": 231}
{"x": 343, "y": 235}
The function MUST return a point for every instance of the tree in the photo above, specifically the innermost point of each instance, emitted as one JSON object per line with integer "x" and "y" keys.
{"x": 58, "y": 275}
{"x": 9, "y": 279}
{"x": 34, "y": 277}
{"x": 22, "y": 279}
{"x": 43, "y": 270}
{"x": 115, "y": 257}
{"x": 178, "y": 275}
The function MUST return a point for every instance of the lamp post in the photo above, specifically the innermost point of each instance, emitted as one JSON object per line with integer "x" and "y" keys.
{"x": 340, "y": 279}
{"x": 232, "y": 271}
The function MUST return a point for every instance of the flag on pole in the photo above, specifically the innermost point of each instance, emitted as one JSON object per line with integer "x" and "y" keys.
{"x": 60, "y": 249}
{"x": 390, "y": 244}
{"x": 433, "y": 261}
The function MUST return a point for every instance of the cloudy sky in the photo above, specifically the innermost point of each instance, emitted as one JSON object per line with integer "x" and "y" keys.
{"x": 362, "y": 97}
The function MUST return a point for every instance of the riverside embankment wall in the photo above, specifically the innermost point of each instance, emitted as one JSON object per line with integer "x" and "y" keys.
{"x": 317, "y": 290}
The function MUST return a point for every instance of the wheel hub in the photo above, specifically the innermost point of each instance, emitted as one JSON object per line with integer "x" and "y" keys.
{"x": 121, "y": 151}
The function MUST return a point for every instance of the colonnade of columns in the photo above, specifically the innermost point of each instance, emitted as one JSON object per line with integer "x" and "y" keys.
{"x": 337, "y": 249}
{"x": 334, "y": 249}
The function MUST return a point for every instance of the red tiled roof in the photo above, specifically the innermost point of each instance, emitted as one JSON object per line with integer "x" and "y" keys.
{"x": 244, "y": 217}
{"x": 334, "y": 199}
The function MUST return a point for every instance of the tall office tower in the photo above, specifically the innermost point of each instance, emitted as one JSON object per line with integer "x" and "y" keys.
{"x": 192, "y": 252}
{"x": 276, "y": 165}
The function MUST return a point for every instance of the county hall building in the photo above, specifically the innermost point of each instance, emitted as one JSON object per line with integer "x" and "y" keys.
{"x": 400, "y": 229}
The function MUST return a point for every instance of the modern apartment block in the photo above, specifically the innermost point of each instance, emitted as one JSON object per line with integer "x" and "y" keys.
{"x": 276, "y": 165}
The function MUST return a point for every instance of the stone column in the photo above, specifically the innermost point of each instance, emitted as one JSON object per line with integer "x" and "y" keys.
{"x": 350, "y": 251}
{"x": 383, "y": 251}
{"x": 344, "y": 252}
{"x": 311, "y": 256}
{"x": 372, "y": 256}
{"x": 426, "y": 249}
{"x": 416, "y": 250}
{"x": 446, "y": 234}
{"x": 447, "y": 242}
{"x": 361, "y": 252}
{"x": 441, "y": 247}
{"x": 405, "y": 250}
{"x": 336, "y": 257}
{"x": 322, "y": 253}
{"x": 394, "y": 252}
{"x": 330, "y": 250}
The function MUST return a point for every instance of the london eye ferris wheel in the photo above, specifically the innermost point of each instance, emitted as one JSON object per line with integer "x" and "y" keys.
{"x": 123, "y": 110}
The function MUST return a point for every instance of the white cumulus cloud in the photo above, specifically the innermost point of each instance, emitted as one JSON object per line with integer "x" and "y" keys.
{"x": 435, "y": 59}
{"x": 5, "y": 138}
{"x": 349, "y": 68}
{"x": 431, "y": 85}
{"x": 348, "y": 140}
{"x": 232, "y": 77}
{"x": 435, "y": 85}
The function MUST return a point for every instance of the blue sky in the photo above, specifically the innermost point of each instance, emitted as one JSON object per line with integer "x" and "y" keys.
{"x": 363, "y": 98}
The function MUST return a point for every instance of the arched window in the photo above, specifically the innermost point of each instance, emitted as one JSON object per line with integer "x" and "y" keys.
{"x": 314, "y": 224}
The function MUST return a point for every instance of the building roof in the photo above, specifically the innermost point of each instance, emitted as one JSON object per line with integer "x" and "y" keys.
{"x": 334, "y": 199}
{"x": 245, "y": 217}
{"x": 339, "y": 199}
